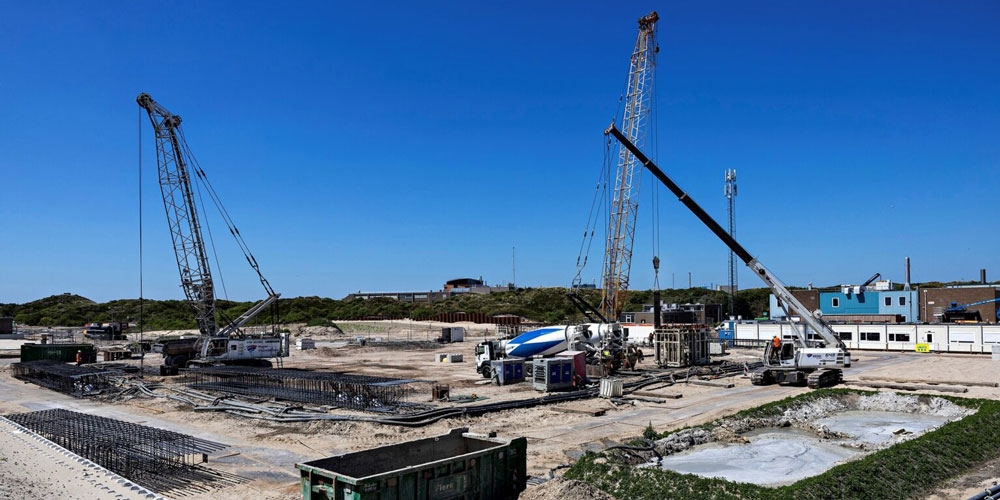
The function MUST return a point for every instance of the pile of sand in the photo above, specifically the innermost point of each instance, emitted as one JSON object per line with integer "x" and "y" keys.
{"x": 559, "y": 489}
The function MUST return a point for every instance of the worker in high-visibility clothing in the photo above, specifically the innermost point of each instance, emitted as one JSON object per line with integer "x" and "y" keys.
{"x": 776, "y": 347}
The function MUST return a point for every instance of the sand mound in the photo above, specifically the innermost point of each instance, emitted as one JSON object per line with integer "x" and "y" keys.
{"x": 558, "y": 489}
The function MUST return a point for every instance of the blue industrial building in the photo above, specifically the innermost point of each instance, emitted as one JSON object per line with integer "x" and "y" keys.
{"x": 854, "y": 302}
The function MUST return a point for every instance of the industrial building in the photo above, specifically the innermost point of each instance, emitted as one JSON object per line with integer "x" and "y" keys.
{"x": 706, "y": 314}
{"x": 860, "y": 305}
{"x": 450, "y": 289}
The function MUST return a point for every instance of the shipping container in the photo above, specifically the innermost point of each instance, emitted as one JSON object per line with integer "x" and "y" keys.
{"x": 6, "y": 326}
{"x": 457, "y": 465}
{"x": 57, "y": 352}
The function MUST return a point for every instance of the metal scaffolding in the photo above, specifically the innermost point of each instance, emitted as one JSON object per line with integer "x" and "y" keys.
{"x": 681, "y": 345}
{"x": 158, "y": 459}
{"x": 77, "y": 381}
{"x": 360, "y": 392}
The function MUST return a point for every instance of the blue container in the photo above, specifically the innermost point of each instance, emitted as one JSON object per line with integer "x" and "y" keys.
{"x": 509, "y": 371}
{"x": 727, "y": 336}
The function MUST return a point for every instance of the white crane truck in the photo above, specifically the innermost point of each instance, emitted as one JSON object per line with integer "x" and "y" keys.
{"x": 817, "y": 363}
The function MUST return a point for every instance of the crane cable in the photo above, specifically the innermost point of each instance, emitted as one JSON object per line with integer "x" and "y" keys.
{"x": 602, "y": 193}
{"x": 655, "y": 204}
{"x": 141, "y": 358}
{"x": 592, "y": 219}
{"x": 213, "y": 195}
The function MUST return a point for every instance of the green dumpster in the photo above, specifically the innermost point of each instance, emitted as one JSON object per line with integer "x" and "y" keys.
{"x": 457, "y": 465}
{"x": 57, "y": 352}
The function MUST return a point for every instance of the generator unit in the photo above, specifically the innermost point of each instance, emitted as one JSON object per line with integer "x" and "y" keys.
{"x": 553, "y": 374}
{"x": 509, "y": 371}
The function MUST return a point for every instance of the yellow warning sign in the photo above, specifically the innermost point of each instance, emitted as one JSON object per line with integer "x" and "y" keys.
{"x": 923, "y": 348}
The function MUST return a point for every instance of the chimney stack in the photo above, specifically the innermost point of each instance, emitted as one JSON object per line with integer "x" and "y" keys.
{"x": 982, "y": 276}
{"x": 906, "y": 286}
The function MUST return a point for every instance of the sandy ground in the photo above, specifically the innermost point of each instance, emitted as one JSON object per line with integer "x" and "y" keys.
{"x": 266, "y": 452}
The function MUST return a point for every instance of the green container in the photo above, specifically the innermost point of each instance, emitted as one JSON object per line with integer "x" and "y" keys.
{"x": 56, "y": 352}
{"x": 457, "y": 465}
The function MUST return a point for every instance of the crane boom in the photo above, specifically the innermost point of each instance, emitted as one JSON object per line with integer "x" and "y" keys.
{"x": 621, "y": 223}
{"x": 777, "y": 287}
{"x": 182, "y": 213}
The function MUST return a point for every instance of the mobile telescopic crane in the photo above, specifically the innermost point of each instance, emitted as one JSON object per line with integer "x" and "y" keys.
{"x": 816, "y": 363}
{"x": 229, "y": 344}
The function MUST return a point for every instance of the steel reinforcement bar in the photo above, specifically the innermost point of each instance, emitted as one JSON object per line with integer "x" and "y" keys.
{"x": 77, "y": 381}
{"x": 360, "y": 392}
{"x": 156, "y": 458}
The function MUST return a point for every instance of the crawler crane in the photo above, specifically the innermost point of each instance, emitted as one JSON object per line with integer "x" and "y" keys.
{"x": 229, "y": 344}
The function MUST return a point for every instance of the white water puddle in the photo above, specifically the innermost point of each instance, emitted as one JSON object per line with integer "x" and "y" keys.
{"x": 880, "y": 426}
{"x": 775, "y": 457}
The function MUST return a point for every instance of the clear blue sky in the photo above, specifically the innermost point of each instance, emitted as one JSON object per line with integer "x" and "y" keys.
{"x": 393, "y": 147}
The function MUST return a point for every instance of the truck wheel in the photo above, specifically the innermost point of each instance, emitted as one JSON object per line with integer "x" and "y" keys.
{"x": 486, "y": 371}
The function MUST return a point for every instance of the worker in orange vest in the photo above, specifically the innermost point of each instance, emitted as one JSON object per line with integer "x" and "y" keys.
{"x": 79, "y": 357}
{"x": 775, "y": 347}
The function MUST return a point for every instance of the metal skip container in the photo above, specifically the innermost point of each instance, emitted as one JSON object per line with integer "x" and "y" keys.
{"x": 452, "y": 466}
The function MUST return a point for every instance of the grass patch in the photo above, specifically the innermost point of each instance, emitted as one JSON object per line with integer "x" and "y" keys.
{"x": 905, "y": 470}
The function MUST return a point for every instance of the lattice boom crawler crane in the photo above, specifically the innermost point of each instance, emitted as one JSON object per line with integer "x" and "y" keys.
{"x": 229, "y": 344}
{"x": 817, "y": 363}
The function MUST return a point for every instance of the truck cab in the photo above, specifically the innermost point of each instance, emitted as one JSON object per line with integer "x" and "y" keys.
{"x": 487, "y": 352}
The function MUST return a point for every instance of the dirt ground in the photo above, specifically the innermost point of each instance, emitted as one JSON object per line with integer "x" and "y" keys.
{"x": 265, "y": 452}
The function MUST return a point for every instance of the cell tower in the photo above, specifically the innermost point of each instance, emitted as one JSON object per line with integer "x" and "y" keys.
{"x": 731, "y": 198}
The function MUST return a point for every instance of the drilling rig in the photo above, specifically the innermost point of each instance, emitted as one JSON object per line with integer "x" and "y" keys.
{"x": 229, "y": 344}
{"x": 613, "y": 350}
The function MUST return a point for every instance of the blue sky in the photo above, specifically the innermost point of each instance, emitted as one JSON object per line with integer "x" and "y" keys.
{"x": 393, "y": 147}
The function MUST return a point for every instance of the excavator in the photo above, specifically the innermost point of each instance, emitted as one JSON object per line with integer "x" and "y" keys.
{"x": 230, "y": 343}
{"x": 816, "y": 363}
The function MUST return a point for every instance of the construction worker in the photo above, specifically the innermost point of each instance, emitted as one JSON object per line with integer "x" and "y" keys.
{"x": 776, "y": 347}
{"x": 79, "y": 357}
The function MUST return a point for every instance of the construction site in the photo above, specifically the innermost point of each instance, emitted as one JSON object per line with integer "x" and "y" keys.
{"x": 250, "y": 405}
{"x": 238, "y": 432}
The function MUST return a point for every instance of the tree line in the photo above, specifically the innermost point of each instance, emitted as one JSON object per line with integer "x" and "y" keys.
{"x": 543, "y": 305}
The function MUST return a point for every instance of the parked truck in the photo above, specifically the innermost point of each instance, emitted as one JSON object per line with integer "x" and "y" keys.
{"x": 114, "y": 330}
